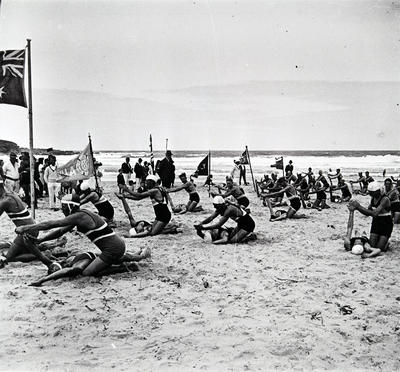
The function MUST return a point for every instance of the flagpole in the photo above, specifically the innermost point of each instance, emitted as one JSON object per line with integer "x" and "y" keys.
{"x": 30, "y": 115}
{"x": 251, "y": 171}
{"x": 209, "y": 172}
{"x": 283, "y": 168}
{"x": 151, "y": 154}
{"x": 91, "y": 153}
{"x": 166, "y": 144}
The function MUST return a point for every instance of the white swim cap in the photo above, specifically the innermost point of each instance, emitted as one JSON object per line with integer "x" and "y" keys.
{"x": 70, "y": 199}
{"x": 85, "y": 186}
{"x": 152, "y": 177}
{"x": 132, "y": 232}
{"x": 357, "y": 249}
{"x": 218, "y": 200}
{"x": 374, "y": 186}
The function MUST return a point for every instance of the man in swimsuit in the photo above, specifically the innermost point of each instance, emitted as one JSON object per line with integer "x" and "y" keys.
{"x": 320, "y": 201}
{"x": 379, "y": 210}
{"x": 158, "y": 197}
{"x": 102, "y": 204}
{"x": 143, "y": 226}
{"x": 236, "y": 191}
{"x": 190, "y": 188}
{"x": 362, "y": 241}
{"x": 245, "y": 224}
{"x": 112, "y": 246}
{"x": 291, "y": 194}
{"x": 23, "y": 248}
{"x": 393, "y": 194}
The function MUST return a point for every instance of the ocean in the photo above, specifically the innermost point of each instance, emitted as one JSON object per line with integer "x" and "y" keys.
{"x": 350, "y": 162}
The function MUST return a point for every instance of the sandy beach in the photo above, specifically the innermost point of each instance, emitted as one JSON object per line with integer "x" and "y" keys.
{"x": 273, "y": 304}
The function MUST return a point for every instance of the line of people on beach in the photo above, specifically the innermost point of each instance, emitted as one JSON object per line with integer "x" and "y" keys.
{"x": 229, "y": 203}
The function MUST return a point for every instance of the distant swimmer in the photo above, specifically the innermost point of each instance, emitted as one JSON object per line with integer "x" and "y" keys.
{"x": 141, "y": 226}
{"x": 112, "y": 246}
{"x": 358, "y": 244}
{"x": 190, "y": 188}
{"x": 380, "y": 211}
{"x": 236, "y": 191}
{"x": 225, "y": 210}
{"x": 159, "y": 199}
{"x": 393, "y": 194}
{"x": 101, "y": 203}
{"x": 24, "y": 248}
{"x": 292, "y": 196}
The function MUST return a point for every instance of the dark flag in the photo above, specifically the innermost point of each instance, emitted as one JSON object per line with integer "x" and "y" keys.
{"x": 202, "y": 168}
{"x": 12, "y": 90}
{"x": 244, "y": 159}
{"x": 278, "y": 163}
{"x": 151, "y": 155}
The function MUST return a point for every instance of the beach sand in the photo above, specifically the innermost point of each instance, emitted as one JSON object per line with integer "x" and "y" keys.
{"x": 272, "y": 304}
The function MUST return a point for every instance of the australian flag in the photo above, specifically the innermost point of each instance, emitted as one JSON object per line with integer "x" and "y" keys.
{"x": 12, "y": 63}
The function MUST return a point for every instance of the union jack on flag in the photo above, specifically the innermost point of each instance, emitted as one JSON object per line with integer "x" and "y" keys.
{"x": 12, "y": 66}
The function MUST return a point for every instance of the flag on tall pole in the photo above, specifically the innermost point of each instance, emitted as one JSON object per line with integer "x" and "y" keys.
{"x": 151, "y": 155}
{"x": 12, "y": 71}
{"x": 246, "y": 155}
{"x": 244, "y": 159}
{"x": 81, "y": 167}
{"x": 203, "y": 167}
{"x": 278, "y": 163}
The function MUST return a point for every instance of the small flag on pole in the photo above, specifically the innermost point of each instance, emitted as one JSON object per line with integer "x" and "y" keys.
{"x": 244, "y": 159}
{"x": 79, "y": 168}
{"x": 202, "y": 168}
{"x": 278, "y": 163}
{"x": 12, "y": 66}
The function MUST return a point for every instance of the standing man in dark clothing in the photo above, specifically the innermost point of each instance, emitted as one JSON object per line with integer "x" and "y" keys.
{"x": 166, "y": 170}
{"x": 289, "y": 168}
{"x": 139, "y": 173}
{"x": 242, "y": 174}
{"x": 127, "y": 170}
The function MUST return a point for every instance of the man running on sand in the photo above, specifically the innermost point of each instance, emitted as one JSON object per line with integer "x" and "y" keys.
{"x": 90, "y": 224}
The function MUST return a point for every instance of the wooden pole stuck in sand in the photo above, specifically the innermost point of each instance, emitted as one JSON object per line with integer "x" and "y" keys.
{"x": 251, "y": 171}
{"x": 91, "y": 154}
{"x": 30, "y": 116}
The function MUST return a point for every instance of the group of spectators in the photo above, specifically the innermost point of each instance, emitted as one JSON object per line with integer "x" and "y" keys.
{"x": 165, "y": 169}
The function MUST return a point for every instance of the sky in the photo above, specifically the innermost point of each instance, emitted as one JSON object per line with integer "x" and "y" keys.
{"x": 208, "y": 74}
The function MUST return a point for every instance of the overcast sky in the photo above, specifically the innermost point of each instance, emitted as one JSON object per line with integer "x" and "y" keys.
{"x": 155, "y": 50}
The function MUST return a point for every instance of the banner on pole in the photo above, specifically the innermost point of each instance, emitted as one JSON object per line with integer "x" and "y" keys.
{"x": 202, "y": 168}
{"x": 12, "y": 67}
{"x": 278, "y": 163}
{"x": 244, "y": 159}
{"x": 78, "y": 168}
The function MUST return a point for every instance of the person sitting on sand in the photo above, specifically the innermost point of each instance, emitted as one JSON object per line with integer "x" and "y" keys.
{"x": 159, "y": 199}
{"x": 75, "y": 265}
{"x": 393, "y": 194}
{"x": 236, "y": 191}
{"x": 226, "y": 210}
{"x": 302, "y": 186}
{"x": 379, "y": 210}
{"x": 344, "y": 188}
{"x": 290, "y": 177}
{"x": 112, "y": 246}
{"x": 141, "y": 226}
{"x": 103, "y": 206}
{"x": 357, "y": 244}
{"x": 190, "y": 188}
{"x": 291, "y": 194}
{"x": 23, "y": 248}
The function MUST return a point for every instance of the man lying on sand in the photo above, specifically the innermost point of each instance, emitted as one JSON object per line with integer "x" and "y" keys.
{"x": 291, "y": 194}
{"x": 190, "y": 188}
{"x": 141, "y": 226}
{"x": 226, "y": 211}
{"x": 379, "y": 210}
{"x": 23, "y": 247}
{"x": 357, "y": 244}
{"x": 90, "y": 224}
{"x": 75, "y": 265}
{"x": 159, "y": 199}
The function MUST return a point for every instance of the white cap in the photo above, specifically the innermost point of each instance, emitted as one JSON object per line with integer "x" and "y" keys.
{"x": 151, "y": 177}
{"x": 218, "y": 200}
{"x": 132, "y": 232}
{"x": 357, "y": 249}
{"x": 85, "y": 186}
{"x": 374, "y": 186}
